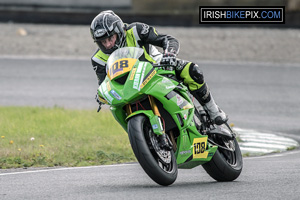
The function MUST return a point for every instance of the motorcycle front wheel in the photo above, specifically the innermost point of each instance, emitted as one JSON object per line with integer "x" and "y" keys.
{"x": 160, "y": 164}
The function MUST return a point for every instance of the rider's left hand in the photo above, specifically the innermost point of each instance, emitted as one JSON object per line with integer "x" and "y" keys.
{"x": 169, "y": 58}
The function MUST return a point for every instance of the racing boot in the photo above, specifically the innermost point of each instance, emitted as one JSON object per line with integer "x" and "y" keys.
{"x": 205, "y": 98}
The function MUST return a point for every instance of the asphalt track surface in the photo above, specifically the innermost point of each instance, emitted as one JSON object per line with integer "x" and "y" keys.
{"x": 260, "y": 96}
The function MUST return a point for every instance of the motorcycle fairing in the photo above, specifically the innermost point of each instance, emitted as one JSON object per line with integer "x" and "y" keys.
{"x": 142, "y": 80}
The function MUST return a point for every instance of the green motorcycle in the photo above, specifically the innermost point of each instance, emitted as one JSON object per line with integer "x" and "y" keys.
{"x": 167, "y": 128}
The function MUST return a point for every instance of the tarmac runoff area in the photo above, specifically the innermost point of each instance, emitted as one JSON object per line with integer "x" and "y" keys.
{"x": 255, "y": 143}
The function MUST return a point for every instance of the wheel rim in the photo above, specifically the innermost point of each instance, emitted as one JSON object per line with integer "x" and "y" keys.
{"x": 162, "y": 156}
{"x": 229, "y": 156}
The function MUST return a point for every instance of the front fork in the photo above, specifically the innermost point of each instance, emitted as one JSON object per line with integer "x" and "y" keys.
{"x": 164, "y": 140}
{"x": 156, "y": 112}
{"x": 154, "y": 109}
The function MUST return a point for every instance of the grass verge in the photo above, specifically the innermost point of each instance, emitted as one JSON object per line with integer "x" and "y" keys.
{"x": 47, "y": 137}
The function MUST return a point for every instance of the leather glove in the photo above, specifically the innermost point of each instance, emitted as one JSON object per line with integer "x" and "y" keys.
{"x": 169, "y": 58}
{"x": 99, "y": 102}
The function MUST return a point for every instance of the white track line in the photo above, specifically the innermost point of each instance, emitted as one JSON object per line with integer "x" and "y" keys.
{"x": 64, "y": 169}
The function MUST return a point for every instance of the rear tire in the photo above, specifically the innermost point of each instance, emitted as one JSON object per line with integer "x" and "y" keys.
{"x": 160, "y": 165}
{"x": 225, "y": 165}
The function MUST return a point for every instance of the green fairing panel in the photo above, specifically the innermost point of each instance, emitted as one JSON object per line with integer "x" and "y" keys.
{"x": 142, "y": 80}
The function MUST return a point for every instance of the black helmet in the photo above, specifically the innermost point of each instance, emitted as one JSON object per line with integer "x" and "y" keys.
{"x": 105, "y": 25}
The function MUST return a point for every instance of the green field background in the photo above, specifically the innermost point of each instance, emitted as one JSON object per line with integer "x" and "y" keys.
{"x": 48, "y": 137}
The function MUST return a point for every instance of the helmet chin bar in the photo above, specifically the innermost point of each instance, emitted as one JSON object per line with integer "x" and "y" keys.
{"x": 120, "y": 37}
{"x": 121, "y": 43}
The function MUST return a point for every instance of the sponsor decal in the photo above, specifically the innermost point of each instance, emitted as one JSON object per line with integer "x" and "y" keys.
{"x": 108, "y": 86}
{"x": 99, "y": 32}
{"x": 95, "y": 67}
{"x": 179, "y": 99}
{"x": 166, "y": 80}
{"x": 115, "y": 94}
{"x": 242, "y": 14}
{"x": 132, "y": 74}
{"x": 184, "y": 116}
{"x": 142, "y": 76}
{"x": 210, "y": 154}
{"x": 145, "y": 29}
{"x": 136, "y": 81}
{"x": 155, "y": 126}
{"x": 182, "y": 103}
{"x": 137, "y": 76}
{"x": 108, "y": 97}
{"x": 170, "y": 87}
{"x": 140, "y": 67}
{"x": 185, "y": 152}
{"x": 104, "y": 93}
{"x": 148, "y": 77}
{"x": 168, "y": 84}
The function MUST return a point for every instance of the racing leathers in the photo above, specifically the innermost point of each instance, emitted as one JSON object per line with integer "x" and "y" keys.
{"x": 146, "y": 37}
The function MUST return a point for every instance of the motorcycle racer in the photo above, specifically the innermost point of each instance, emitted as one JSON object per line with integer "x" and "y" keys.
{"x": 110, "y": 33}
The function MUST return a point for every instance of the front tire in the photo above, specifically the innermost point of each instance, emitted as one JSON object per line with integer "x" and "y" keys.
{"x": 159, "y": 164}
{"x": 225, "y": 165}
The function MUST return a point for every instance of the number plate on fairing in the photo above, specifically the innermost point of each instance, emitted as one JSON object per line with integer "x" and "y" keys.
{"x": 199, "y": 147}
{"x": 120, "y": 67}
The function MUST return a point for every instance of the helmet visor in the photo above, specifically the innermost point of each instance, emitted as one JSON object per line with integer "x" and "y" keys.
{"x": 101, "y": 41}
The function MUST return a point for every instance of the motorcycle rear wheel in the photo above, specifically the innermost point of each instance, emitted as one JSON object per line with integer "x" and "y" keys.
{"x": 161, "y": 166}
{"x": 225, "y": 165}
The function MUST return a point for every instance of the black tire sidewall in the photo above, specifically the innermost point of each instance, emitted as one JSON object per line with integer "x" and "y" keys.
{"x": 220, "y": 170}
{"x": 144, "y": 155}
